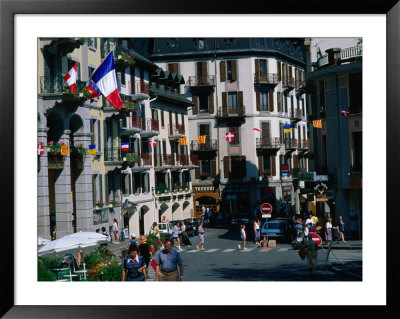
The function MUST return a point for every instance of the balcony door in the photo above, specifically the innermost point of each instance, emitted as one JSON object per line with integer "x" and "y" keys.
{"x": 204, "y": 129}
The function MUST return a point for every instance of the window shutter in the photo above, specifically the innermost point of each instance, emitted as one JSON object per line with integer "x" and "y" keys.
{"x": 240, "y": 98}
{"x": 304, "y": 133}
{"x": 279, "y": 70}
{"x": 233, "y": 64}
{"x": 273, "y": 165}
{"x": 204, "y": 68}
{"x": 101, "y": 186}
{"x": 224, "y": 99}
{"x": 271, "y": 101}
{"x": 197, "y": 172}
{"x": 195, "y": 109}
{"x": 226, "y": 166}
{"x": 107, "y": 190}
{"x": 211, "y": 103}
{"x": 295, "y": 164}
{"x": 260, "y": 165}
{"x": 213, "y": 168}
{"x": 222, "y": 71}
{"x": 258, "y": 100}
{"x": 105, "y": 133}
{"x": 265, "y": 130}
{"x": 195, "y": 159}
{"x": 257, "y": 68}
{"x": 243, "y": 166}
{"x": 299, "y": 133}
{"x": 279, "y": 99}
{"x": 290, "y": 71}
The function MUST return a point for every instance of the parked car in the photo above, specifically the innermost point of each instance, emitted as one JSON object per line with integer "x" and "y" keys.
{"x": 165, "y": 229}
{"x": 191, "y": 225}
{"x": 240, "y": 219}
{"x": 279, "y": 229}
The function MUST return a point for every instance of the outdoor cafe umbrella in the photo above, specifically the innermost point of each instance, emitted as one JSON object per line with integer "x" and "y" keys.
{"x": 42, "y": 241}
{"x": 65, "y": 244}
{"x": 91, "y": 236}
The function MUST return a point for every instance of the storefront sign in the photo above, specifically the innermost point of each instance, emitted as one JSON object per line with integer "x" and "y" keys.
{"x": 205, "y": 189}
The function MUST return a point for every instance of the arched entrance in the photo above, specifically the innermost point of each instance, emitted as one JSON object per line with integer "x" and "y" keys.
{"x": 207, "y": 202}
{"x": 142, "y": 212}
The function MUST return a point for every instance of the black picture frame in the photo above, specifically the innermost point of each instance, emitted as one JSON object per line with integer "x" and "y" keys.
{"x": 8, "y": 10}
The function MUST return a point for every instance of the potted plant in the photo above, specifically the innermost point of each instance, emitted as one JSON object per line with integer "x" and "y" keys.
{"x": 99, "y": 204}
{"x": 132, "y": 158}
{"x": 113, "y": 203}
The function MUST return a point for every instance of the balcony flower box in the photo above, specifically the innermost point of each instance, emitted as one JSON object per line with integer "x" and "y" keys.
{"x": 55, "y": 161}
{"x": 99, "y": 204}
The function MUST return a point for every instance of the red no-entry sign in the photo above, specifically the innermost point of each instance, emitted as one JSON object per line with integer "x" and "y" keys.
{"x": 266, "y": 209}
{"x": 317, "y": 238}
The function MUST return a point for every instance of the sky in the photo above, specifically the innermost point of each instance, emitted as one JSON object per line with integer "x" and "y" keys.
{"x": 327, "y": 43}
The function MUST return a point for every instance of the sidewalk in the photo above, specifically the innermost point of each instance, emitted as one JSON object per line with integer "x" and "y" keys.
{"x": 350, "y": 244}
{"x": 351, "y": 269}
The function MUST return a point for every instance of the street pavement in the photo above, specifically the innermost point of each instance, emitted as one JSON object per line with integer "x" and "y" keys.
{"x": 223, "y": 261}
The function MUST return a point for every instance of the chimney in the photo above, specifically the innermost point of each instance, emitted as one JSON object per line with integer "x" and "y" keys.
{"x": 333, "y": 55}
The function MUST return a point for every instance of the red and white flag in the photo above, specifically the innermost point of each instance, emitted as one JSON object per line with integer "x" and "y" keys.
{"x": 256, "y": 129}
{"x": 344, "y": 113}
{"x": 40, "y": 149}
{"x": 229, "y": 137}
{"x": 70, "y": 78}
{"x": 153, "y": 143}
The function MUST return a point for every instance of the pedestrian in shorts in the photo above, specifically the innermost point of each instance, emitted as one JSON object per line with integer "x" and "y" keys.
{"x": 200, "y": 231}
{"x": 243, "y": 236}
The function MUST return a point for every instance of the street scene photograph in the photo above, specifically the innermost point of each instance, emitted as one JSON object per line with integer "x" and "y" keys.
{"x": 199, "y": 159}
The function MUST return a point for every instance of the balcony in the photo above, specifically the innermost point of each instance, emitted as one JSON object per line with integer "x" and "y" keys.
{"x": 296, "y": 115}
{"x": 145, "y": 159}
{"x": 290, "y": 144}
{"x": 225, "y": 112}
{"x": 201, "y": 81}
{"x": 268, "y": 79}
{"x": 268, "y": 143}
{"x": 300, "y": 87}
{"x": 140, "y": 87}
{"x": 112, "y": 155}
{"x": 57, "y": 85}
{"x": 155, "y": 125}
{"x": 303, "y": 145}
{"x": 176, "y": 130}
{"x": 208, "y": 146}
{"x": 288, "y": 83}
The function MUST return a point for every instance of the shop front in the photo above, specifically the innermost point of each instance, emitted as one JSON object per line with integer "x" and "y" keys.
{"x": 207, "y": 196}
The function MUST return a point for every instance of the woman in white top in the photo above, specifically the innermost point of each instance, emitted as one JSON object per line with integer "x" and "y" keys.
{"x": 243, "y": 236}
{"x": 257, "y": 231}
{"x": 115, "y": 230}
{"x": 306, "y": 231}
{"x": 328, "y": 231}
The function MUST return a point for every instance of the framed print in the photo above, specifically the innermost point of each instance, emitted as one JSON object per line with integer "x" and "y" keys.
{"x": 28, "y": 27}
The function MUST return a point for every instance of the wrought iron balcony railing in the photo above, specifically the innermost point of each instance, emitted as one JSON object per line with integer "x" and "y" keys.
{"x": 290, "y": 143}
{"x": 201, "y": 80}
{"x": 288, "y": 82}
{"x": 296, "y": 114}
{"x": 268, "y": 143}
{"x": 57, "y": 85}
{"x": 225, "y": 111}
{"x": 209, "y": 145}
{"x": 266, "y": 78}
{"x": 112, "y": 154}
{"x": 176, "y": 129}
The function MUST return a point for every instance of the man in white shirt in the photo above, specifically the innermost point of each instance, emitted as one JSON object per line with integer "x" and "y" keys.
{"x": 309, "y": 220}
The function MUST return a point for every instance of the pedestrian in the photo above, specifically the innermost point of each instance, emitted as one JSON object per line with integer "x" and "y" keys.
{"x": 146, "y": 252}
{"x": 306, "y": 231}
{"x": 175, "y": 235}
{"x": 133, "y": 241}
{"x": 243, "y": 236}
{"x": 340, "y": 230}
{"x": 115, "y": 230}
{"x": 328, "y": 231}
{"x": 168, "y": 261}
{"x": 79, "y": 257}
{"x": 134, "y": 266}
{"x": 184, "y": 235}
{"x": 200, "y": 232}
{"x": 155, "y": 230}
{"x": 311, "y": 248}
{"x": 203, "y": 213}
{"x": 309, "y": 219}
{"x": 206, "y": 216}
{"x": 257, "y": 231}
{"x": 164, "y": 219}
{"x": 53, "y": 233}
{"x": 104, "y": 232}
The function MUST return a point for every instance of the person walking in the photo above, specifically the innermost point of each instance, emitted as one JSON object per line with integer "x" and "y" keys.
{"x": 306, "y": 231}
{"x": 168, "y": 261}
{"x": 133, "y": 266}
{"x": 243, "y": 236}
{"x": 257, "y": 231}
{"x": 53, "y": 233}
{"x": 175, "y": 235}
{"x": 311, "y": 248}
{"x": 115, "y": 230}
{"x": 155, "y": 230}
{"x": 146, "y": 252}
{"x": 133, "y": 240}
{"x": 203, "y": 213}
{"x": 200, "y": 231}
{"x": 184, "y": 235}
{"x": 164, "y": 219}
{"x": 340, "y": 230}
{"x": 328, "y": 231}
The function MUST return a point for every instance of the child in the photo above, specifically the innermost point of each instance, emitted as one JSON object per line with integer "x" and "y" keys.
{"x": 243, "y": 236}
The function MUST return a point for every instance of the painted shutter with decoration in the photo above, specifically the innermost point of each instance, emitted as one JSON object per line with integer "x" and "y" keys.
{"x": 260, "y": 165}
{"x": 271, "y": 101}
{"x": 234, "y": 73}
{"x": 222, "y": 71}
{"x": 226, "y": 166}
{"x": 211, "y": 103}
{"x": 273, "y": 165}
{"x": 195, "y": 109}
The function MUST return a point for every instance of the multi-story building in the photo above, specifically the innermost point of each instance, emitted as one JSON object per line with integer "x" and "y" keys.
{"x": 245, "y": 89}
{"x": 335, "y": 86}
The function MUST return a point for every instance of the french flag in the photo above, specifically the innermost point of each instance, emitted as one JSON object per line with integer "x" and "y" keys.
{"x": 70, "y": 78}
{"x": 105, "y": 79}
{"x": 124, "y": 147}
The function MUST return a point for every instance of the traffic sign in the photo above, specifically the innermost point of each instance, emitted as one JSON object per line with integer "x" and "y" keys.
{"x": 317, "y": 238}
{"x": 266, "y": 209}
{"x": 266, "y": 215}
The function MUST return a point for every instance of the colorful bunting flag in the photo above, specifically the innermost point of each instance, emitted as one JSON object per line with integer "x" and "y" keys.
{"x": 344, "y": 113}
{"x": 70, "y": 78}
{"x": 317, "y": 123}
{"x": 64, "y": 150}
{"x": 229, "y": 137}
{"x": 92, "y": 149}
{"x": 287, "y": 128}
{"x": 92, "y": 89}
{"x": 153, "y": 143}
{"x": 256, "y": 129}
{"x": 201, "y": 139}
{"x": 40, "y": 149}
{"x": 124, "y": 147}
{"x": 183, "y": 141}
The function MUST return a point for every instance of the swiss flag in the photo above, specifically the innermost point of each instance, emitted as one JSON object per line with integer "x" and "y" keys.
{"x": 153, "y": 143}
{"x": 40, "y": 149}
{"x": 229, "y": 136}
{"x": 344, "y": 113}
{"x": 70, "y": 78}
